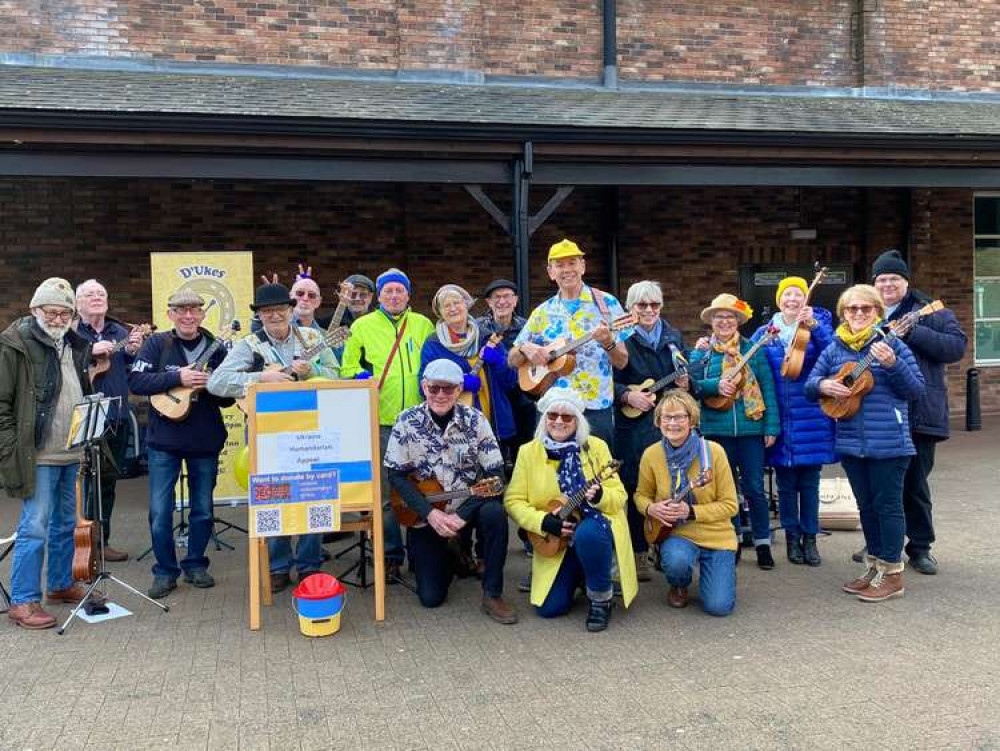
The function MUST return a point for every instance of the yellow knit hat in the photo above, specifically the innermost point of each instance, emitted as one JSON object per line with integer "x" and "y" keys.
{"x": 564, "y": 249}
{"x": 790, "y": 281}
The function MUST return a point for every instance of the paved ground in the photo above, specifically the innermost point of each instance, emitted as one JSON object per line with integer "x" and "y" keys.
{"x": 799, "y": 665}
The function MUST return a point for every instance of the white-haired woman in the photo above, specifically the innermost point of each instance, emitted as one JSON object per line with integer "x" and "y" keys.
{"x": 654, "y": 352}
{"x": 563, "y": 459}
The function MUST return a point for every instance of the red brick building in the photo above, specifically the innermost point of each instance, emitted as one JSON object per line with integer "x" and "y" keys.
{"x": 706, "y": 145}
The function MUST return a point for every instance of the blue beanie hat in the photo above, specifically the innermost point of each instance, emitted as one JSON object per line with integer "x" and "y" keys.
{"x": 392, "y": 275}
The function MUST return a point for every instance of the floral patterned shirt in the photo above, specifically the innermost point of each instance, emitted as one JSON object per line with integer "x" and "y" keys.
{"x": 570, "y": 319}
{"x": 457, "y": 457}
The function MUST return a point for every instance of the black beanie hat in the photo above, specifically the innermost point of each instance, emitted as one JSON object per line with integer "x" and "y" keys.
{"x": 890, "y": 262}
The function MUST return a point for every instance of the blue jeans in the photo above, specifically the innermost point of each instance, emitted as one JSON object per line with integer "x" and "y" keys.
{"x": 588, "y": 558}
{"x": 308, "y": 554}
{"x": 392, "y": 535}
{"x": 716, "y": 576}
{"x": 798, "y": 499}
{"x": 878, "y": 488}
{"x": 164, "y": 469}
{"x": 746, "y": 457}
{"x": 47, "y": 517}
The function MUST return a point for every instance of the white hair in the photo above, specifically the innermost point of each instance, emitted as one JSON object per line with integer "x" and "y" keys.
{"x": 565, "y": 406}
{"x": 82, "y": 287}
{"x": 644, "y": 291}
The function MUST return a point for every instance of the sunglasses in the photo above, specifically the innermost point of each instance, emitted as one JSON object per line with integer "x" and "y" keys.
{"x": 559, "y": 417}
{"x": 434, "y": 389}
{"x": 304, "y": 293}
{"x": 649, "y": 305}
{"x": 858, "y": 309}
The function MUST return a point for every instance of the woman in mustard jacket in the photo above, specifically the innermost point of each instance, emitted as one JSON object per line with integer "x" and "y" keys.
{"x": 701, "y": 531}
{"x": 562, "y": 459}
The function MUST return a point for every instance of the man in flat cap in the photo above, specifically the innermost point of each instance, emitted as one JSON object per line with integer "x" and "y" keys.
{"x": 43, "y": 375}
{"x": 169, "y": 359}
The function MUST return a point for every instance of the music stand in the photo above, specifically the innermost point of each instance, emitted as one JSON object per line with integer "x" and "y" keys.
{"x": 88, "y": 426}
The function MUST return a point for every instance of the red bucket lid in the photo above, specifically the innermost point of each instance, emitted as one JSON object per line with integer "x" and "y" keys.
{"x": 318, "y": 586}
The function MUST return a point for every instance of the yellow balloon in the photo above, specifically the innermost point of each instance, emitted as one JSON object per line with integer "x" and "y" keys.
{"x": 241, "y": 467}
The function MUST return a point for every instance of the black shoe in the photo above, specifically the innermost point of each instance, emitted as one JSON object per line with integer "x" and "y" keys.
{"x": 924, "y": 563}
{"x": 859, "y": 557}
{"x": 809, "y": 550}
{"x": 599, "y": 616}
{"x": 324, "y": 555}
{"x": 280, "y": 581}
{"x": 765, "y": 560}
{"x": 793, "y": 548}
{"x": 162, "y": 586}
{"x": 199, "y": 578}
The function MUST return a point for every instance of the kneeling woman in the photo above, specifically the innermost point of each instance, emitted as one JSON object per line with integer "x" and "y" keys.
{"x": 563, "y": 460}
{"x": 697, "y": 519}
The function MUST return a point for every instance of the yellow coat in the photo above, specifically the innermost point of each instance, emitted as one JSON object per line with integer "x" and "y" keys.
{"x": 714, "y": 505}
{"x": 533, "y": 485}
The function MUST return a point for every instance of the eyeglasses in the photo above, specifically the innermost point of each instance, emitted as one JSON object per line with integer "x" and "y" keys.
{"x": 679, "y": 417}
{"x": 863, "y": 310}
{"x": 559, "y": 417}
{"x": 62, "y": 314}
{"x": 506, "y": 297}
{"x": 649, "y": 305}
{"x": 447, "y": 389}
{"x": 188, "y": 310}
{"x": 277, "y": 311}
{"x": 305, "y": 293}
{"x": 724, "y": 317}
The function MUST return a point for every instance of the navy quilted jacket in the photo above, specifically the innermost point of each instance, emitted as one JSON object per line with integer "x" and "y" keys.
{"x": 806, "y": 433}
{"x": 880, "y": 429}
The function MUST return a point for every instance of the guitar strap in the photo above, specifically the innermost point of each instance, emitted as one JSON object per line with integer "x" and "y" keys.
{"x": 601, "y": 305}
{"x": 392, "y": 353}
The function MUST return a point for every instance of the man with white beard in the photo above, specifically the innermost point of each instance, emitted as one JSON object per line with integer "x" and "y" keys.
{"x": 43, "y": 374}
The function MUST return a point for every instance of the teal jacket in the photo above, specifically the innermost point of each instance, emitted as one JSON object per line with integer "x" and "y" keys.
{"x": 734, "y": 422}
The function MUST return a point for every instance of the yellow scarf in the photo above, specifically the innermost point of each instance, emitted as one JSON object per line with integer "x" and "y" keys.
{"x": 753, "y": 399}
{"x": 859, "y": 340}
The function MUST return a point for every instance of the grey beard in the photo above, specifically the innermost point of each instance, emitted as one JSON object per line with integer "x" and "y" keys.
{"x": 57, "y": 333}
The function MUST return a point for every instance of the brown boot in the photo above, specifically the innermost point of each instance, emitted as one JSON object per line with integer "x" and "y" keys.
{"x": 861, "y": 583}
{"x": 114, "y": 556}
{"x": 72, "y": 595}
{"x": 642, "y": 568}
{"x": 498, "y": 609}
{"x": 30, "y": 616}
{"x": 886, "y": 584}
{"x": 677, "y": 597}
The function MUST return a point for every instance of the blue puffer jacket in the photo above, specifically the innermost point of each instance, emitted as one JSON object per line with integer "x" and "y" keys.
{"x": 806, "y": 433}
{"x": 880, "y": 429}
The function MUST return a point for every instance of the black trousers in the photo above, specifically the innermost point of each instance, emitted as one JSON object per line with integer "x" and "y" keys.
{"x": 433, "y": 561}
{"x": 917, "y": 497}
{"x": 117, "y": 443}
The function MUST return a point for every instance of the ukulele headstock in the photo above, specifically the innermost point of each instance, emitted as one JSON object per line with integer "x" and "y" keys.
{"x": 486, "y": 487}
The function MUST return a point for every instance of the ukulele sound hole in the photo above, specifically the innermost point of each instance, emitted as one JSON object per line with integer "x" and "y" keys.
{"x": 849, "y": 381}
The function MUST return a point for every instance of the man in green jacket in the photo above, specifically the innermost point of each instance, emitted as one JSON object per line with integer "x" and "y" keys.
{"x": 43, "y": 375}
{"x": 385, "y": 345}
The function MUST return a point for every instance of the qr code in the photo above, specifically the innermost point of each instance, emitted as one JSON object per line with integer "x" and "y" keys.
{"x": 268, "y": 521}
{"x": 320, "y": 518}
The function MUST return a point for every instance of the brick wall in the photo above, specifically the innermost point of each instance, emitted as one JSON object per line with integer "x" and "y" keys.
{"x": 936, "y": 44}
{"x": 691, "y": 240}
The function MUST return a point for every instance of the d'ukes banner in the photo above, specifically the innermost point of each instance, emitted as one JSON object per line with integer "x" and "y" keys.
{"x": 225, "y": 281}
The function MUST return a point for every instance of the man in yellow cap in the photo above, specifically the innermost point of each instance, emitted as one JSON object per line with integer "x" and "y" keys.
{"x": 576, "y": 310}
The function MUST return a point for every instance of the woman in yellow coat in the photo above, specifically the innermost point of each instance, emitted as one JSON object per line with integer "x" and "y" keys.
{"x": 698, "y": 518}
{"x": 562, "y": 459}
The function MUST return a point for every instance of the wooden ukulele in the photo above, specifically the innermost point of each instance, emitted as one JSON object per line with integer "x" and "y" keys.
{"x": 84, "y": 539}
{"x": 467, "y": 397}
{"x": 344, "y": 332}
{"x": 102, "y": 363}
{"x": 441, "y": 499}
{"x": 649, "y": 386}
{"x": 795, "y": 355}
{"x": 560, "y": 360}
{"x": 857, "y": 376}
{"x": 736, "y": 375}
{"x": 175, "y": 404}
{"x": 656, "y": 531}
{"x": 566, "y": 507}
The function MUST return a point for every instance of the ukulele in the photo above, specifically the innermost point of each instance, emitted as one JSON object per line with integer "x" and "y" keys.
{"x": 857, "y": 376}
{"x": 560, "y": 360}
{"x": 467, "y": 397}
{"x": 736, "y": 374}
{"x": 566, "y": 507}
{"x": 656, "y": 531}
{"x": 102, "y": 363}
{"x": 175, "y": 404}
{"x": 344, "y": 332}
{"x": 795, "y": 355}
{"x": 441, "y": 499}
{"x": 649, "y": 386}
{"x": 333, "y": 337}
{"x": 84, "y": 540}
